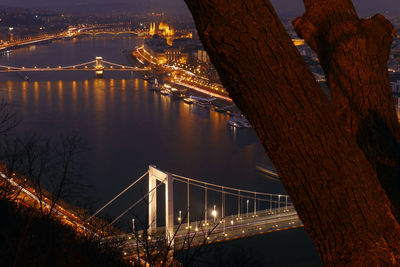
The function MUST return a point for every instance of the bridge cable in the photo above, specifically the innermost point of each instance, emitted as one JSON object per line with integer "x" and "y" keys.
{"x": 205, "y": 204}
{"x": 188, "y": 204}
{"x": 230, "y": 193}
{"x": 219, "y": 186}
{"x": 134, "y": 204}
{"x": 122, "y": 192}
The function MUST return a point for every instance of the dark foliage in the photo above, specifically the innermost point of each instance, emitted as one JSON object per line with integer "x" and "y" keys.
{"x": 29, "y": 239}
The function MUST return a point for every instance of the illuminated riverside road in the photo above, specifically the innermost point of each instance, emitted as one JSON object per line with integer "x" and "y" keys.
{"x": 128, "y": 127}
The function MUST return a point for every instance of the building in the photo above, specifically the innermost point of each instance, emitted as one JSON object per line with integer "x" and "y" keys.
{"x": 176, "y": 55}
{"x": 202, "y": 57}
{"x": 163, "y": 29}
{"x": 163, "y": 52}
{"x": 156, "y": 46}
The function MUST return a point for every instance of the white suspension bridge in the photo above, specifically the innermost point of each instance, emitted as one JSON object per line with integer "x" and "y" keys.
{"x": 252, "y": 213}
{"x": 98, "y": 65}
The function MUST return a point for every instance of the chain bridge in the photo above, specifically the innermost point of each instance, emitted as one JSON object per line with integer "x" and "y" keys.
{"x": 98, "y": 65}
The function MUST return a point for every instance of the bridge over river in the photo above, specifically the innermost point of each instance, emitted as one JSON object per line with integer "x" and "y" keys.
{"x": 98, "y": 65}
{"x": 256, "y": 213}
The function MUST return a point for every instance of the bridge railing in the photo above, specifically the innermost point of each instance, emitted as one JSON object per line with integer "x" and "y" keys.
{"x": 230, "y": 227}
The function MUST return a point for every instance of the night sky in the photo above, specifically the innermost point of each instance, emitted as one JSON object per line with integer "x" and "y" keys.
{"x": 292, "y": 7}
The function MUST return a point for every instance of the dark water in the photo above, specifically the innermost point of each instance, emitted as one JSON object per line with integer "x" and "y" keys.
{"x": 128, "y": 127}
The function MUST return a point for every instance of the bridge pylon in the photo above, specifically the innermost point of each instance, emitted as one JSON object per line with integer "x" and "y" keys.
{"x": 166, "y": 178}
{"x": 99, "y": 67}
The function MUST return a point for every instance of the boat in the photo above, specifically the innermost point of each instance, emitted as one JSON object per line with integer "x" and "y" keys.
{"x": 225, "y": 109}
{"x": 166, "y": 86}
{"x": 165, "y": 91}
{"x": 234, "y": 123}
{"x": 202, "y": 101}
{"x": 176, "y": 93}
{"x": 155, "y": 86}
{"x": 188, "y": 100}
{"x": 239, "y": 122}
{"x": 219, "y": 109}
{"x": 204, "y": 104}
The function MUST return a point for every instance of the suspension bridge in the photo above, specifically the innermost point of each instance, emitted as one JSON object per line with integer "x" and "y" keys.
{"x": 98, "y": 65}
{"x": 238, "y": 213}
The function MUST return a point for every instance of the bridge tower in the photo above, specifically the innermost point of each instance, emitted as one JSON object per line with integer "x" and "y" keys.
{"x": 99, "y": 67}
{"x": 166, "y": 178}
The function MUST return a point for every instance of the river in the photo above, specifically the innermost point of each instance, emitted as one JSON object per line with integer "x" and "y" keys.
{"x": 128, "y": 127}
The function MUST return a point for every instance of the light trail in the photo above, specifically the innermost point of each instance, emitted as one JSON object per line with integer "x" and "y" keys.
{"x": 73, "y": 219}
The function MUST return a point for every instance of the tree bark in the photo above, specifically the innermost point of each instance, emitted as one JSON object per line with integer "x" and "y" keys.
{"x": 353, "y": 53}
{"x": 333, "y": 186}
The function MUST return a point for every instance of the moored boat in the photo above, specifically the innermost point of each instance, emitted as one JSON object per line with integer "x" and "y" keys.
{"x": 239, "y": 122}
{"x": 188, "y": 100}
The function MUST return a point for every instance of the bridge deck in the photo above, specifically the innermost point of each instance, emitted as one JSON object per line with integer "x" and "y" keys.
{"x": 201, "y": 233}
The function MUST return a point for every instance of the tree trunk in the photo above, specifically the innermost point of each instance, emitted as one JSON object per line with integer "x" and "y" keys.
{"x": 354, "y": 55}
{"x": 330, "y": 181}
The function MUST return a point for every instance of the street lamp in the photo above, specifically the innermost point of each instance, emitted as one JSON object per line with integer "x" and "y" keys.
{"x": 279, "y": 203}
{"x": 214, "y": 213}
{"x": 180, "y": 217}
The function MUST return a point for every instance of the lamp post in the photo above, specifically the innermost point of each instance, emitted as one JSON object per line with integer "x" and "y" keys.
{"x": 247, "y": 211}
{"x": 279, "y": 203}
{"x": 214, "y": 213}
{"x": 180, "y": 216}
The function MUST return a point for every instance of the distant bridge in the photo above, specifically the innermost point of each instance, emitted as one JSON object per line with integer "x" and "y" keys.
{"x": 98, "y": 65}
{"x": 109, "y": 32}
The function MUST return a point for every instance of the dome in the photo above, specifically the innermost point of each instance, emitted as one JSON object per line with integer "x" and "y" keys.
{"x": 163, "y": 25}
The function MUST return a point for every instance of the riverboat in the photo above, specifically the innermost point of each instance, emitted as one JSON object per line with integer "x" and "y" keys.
{"x": 202, "y": 101}
{"x": 239, "y": 122}
{"x": 165, "y": 92}
{"x": 155, "y": 86}
{"x": 188, "y": 100}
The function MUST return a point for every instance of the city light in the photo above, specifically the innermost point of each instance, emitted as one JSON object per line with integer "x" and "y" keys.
{"x": 214, "y": 213}
{"x": 180, "y": 216}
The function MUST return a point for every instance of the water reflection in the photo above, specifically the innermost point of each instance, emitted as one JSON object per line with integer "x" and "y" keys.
{"x": 36, "y": 93}
{"x": 241, "y": 137}
{"x": 74, "y": 97}
{"x": 10, "y": 90}
{"x": 48, "y": 93}
{"x": 60, "y": 96}
{"x": 86, "y": 90}
{"x": 123, "y": 84}
{"x": 111, "y": 93}
{"x": 24, "y": 91}
{"x": 200, "y": 111}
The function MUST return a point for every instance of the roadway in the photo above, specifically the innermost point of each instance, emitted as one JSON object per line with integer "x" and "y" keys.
{"x": 28, "y": 196}
{"x": 200, "y": 233}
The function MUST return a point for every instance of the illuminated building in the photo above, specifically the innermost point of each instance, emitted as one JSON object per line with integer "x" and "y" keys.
{"x": 162, "y": 53}
{"x": 176, "y": 55}
{"x": 202, "y": 56}
{"x": 155, "y": 47}
{"x": 152, "y": 29}
{"x": 163, "y": 29}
